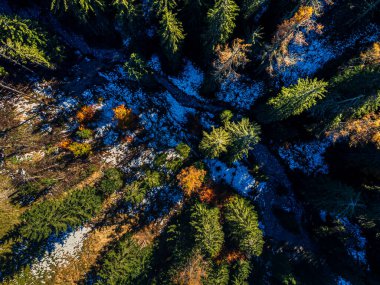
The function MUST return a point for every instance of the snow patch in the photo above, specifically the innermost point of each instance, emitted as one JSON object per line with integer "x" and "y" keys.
{"x": 306, "y": 157}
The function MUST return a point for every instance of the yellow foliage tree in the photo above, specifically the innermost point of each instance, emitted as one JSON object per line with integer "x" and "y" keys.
{"x": 123, "y": 115}
{"x": 86, "y": 114}
{"x": 190, "y": 179}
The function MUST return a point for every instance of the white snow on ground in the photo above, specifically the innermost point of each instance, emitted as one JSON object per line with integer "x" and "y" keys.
{"x": 61, "y": 253}
{"x": 319, "y": 51}
{"x": 240, "y": 94}
{"x": 357, "y": 243}
{"x": 306, "y": 157}
{"x": 155, "y": 63}
{"x": 159, "y": 113}
{"x": 237, "y": 176}
{"x": 189, "y": 80}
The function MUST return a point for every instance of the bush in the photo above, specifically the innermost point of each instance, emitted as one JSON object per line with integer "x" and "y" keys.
{"x": 80, "y": 149}
{"x": 84, "y": 133}
{"x": 183, "y": 150}
{"x": 111, "y": 182}
{"x": 243, "y": 226}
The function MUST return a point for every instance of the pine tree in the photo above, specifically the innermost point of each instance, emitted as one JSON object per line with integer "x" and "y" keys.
{"x": 297, "y": 98}
{"x": 215, "y": 143}
{"x": 111, "y": 182}
{"x": 127, "y": 263}
{"x": 171, "y": 29}
{"x": 221, "y": 20}
{"x": 208, "y": 230}
{"x": 250, "y": 7}
{"x": 244, "y": 136}
{"x": 83, "y": 5}
{"x": 240, "y": 272}
{"x": 23, "y": 42}
{"x": 243, "y": 226}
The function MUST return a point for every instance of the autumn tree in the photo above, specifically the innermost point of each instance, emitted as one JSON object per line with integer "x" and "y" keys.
{"x": 86, "y": 114}
{"x": 123, "y": 116}
{"x": 297, "y": 98}
{"x": 359, "y": 131}
{"x": 208, "y": 231}
{"x": 191, "y": 179}
{"x": 243, "y": 226}
{"x": 230, "y": 59}
{"x": 292, "y": 31}
{"x": 221, "y": 21}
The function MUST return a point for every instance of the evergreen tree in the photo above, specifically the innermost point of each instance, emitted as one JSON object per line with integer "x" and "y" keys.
{"x": 127, "y": 263}
{"x": 23, "y": 42}
{"x": 112, "y": 181}
{"x": 244, "y": 136}
{"x": 208, "y": 230}
{"x": 297, "y": 98}
{"x": 55, "y": 216}
{"x": 215, "y": 143}
{"x": 240, "y": 272}
{"x": 243, "y": 226}
{"x": 83, "y": 5}
{"x": 221, "y": 20}
{"x": 171, "y": 29}
{"x": 250, "y": 7}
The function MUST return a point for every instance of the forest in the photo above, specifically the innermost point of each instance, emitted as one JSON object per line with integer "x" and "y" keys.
{"x": 190, "y": 142}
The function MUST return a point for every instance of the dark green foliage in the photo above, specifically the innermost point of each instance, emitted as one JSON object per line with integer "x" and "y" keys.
{"x": 243, "y": 226}
{"x": 250, "y": 7}
{"x": 218, "y": 275}
{"x": 234, "y": 138}
{"x": 240, "y": 272}
{"x": 296, "y": 99}
{"x": 353, "y": 94}
{"x": 135, "y": 192}
{"x": 221, "y": 20}
{"x": 332, "y": 196}
{"x": 23, "y": 42}
{"x": 111, "y": 182}
{"x": 55, "y": 216}
{"x": 128, "y": 263}
{"x": 208, "y": 231}
{"x": 84, "y": 6}
{"x": 32, "y": 190}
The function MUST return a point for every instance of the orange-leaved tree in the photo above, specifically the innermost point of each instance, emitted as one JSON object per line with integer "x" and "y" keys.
{"x": 190, "y": 179}
{"x": 123, "y": 115}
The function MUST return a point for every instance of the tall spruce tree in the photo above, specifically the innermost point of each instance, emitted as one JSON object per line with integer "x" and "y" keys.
{"x": 171, "y": 29}
{"x": 208, "y": 231}
{"x": 215, "y": 143}
{"x": 245, "y": 135}
{"x": 243, "y": 226}
{"x": 297, "y": 98}
{"x": 221, "y": 21}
